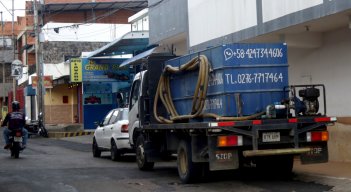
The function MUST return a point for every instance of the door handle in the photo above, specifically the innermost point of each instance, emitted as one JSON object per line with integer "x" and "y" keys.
{"x": 137, "y": 115}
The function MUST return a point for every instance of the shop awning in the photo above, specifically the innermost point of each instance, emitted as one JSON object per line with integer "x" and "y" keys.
{"x": 138, "y": 58}
{"x": 130, "y": 43}
{"x": 144, "y": 55}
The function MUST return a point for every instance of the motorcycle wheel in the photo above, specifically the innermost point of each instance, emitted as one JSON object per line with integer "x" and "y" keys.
{"x": 15, "y": 150}
{"x": 43, "y": 132}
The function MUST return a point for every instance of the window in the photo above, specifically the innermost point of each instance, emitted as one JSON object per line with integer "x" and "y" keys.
{"x": 114, "y": 117}
{"x": 107, "y": 118}
{"x": 123, "y": 115}
{"x": 64, "y": 99}
{"x": 135, "y": 94}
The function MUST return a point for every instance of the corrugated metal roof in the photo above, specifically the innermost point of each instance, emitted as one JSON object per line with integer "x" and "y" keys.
{"x": 134, "y": 5}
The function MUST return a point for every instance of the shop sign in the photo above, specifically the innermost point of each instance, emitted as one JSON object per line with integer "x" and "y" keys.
{"x": 76, "y": 70}
{"x": 93, "y": 71}
{"x": 47, "y": 81}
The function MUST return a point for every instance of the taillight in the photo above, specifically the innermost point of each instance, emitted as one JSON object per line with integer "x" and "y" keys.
{"x": 317, "y": 136}
{"x": 18, "y": 134}
{"x": 228, "y": 141}
{"x": 124, "y": 129}
{"x": 324, "y": 119}
{"x": 222, "y": 124}
{"x": 256, "y": 122}
{"x": 293, "y": 120}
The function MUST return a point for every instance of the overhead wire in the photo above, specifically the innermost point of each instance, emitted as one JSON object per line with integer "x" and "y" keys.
{"x": 88, "y": 22}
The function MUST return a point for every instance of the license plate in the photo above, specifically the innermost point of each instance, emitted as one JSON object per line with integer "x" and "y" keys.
{"x": 271, "y": 136}
{"x": 17, "y": 139}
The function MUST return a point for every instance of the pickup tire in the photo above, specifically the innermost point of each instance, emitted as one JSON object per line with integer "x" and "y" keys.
{"x": 188, "y": 170}
{"x": 141, "y": 157}
{"x": 95, "y": 149}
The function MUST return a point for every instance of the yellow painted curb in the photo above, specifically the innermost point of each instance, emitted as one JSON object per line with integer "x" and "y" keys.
{"x": 69, "y": 134}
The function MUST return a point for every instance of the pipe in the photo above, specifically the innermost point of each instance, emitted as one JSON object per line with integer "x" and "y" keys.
{"x": 163, "y": 93}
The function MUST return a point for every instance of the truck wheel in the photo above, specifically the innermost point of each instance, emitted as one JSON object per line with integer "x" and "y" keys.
{"x": 96, "y": 150}
{"x": 141, "y": 158}
{"x": 280, "y": 166}
{"x": 187, "y": 169}
{"x": 115, "y": 153}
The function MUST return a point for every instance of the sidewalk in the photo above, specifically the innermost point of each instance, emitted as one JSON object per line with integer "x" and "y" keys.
{"x": 67, "y": 130}
{"x": 330, "y": 169}
{"x": 86, "y": 139}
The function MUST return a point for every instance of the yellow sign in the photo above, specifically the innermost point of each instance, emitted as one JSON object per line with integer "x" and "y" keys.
{"x": 76, "y": 70}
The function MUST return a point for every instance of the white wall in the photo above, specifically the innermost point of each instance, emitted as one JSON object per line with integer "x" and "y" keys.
{"x": 329, "y": 64}
{"x": 210, "y": 19}
{"x": 95, "y": 32}
{"x": 273, "y": 9}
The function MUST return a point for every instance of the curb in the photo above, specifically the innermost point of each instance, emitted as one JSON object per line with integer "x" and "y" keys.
{"x": 69, "y": 134}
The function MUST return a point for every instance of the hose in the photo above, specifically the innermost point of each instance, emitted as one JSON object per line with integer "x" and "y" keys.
{"x": 163, "y": 93}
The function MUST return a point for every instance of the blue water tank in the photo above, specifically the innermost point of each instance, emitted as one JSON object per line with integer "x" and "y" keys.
{"x": 244, "y": 80}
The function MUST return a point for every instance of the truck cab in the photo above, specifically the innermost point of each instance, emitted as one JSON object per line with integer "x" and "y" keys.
{"x": 134, "y": 114}
{"x": 142, "y": 92}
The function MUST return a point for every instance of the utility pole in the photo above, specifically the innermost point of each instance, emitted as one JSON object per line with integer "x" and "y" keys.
{"x": 38, "y": 60}
{"x": 3, "y": 62}
{"x": 14, "y": 81}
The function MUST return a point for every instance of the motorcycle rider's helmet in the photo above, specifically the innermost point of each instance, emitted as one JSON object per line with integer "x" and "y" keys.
{"x": 15, "y": 105}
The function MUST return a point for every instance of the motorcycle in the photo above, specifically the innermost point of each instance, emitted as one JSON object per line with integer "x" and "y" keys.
{"x": 36, "y": 127}
{"x": 42, "y": 130}
{"x": 32, "y": 127}
{"x": 16, "y": 140}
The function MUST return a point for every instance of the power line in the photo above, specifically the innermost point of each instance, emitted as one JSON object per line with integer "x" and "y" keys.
{"x": 81, "y": 35}
{"x": 96, "y": 19}
{"x": 6, "y": 8}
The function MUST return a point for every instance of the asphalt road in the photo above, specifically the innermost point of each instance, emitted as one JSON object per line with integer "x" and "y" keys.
{"x": 65, "y": 166}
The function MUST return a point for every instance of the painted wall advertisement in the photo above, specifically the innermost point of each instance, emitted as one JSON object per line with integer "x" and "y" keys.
{"x": 94, "y": 71}
{"x": 97, "y": 93}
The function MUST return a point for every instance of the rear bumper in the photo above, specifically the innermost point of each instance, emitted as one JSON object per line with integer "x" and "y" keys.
{"x": 123, "y": 143}
{"x": 268, "y": 152}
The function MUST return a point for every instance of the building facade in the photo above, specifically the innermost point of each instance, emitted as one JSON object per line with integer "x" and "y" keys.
{"x": 63, "y": 100}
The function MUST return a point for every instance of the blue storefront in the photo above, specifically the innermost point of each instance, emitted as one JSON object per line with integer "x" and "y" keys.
{"x": 105, "y": 83}
{"x": 105, "y": 86}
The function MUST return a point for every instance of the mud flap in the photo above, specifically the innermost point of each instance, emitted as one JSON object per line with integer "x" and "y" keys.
{"x": 318, "y": 153}
{"x": 222, "y": 159}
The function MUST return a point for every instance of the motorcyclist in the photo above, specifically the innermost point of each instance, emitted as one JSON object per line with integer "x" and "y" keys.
{"x": 14, "y": 120}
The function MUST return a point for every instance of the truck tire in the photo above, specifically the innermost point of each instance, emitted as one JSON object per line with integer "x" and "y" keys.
{"x": 115, "y": 153}
{"x": 188, "y": 170}
{"x": 141, "y": 158}
{"x": 276, "y": 166}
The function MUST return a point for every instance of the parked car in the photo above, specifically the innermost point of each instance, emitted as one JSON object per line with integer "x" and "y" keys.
{"x": 112, "y": 134}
